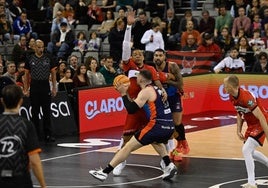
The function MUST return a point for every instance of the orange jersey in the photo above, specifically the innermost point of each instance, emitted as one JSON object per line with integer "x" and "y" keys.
{"x": 134, "y": 88}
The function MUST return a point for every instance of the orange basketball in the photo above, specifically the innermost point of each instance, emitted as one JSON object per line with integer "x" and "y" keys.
{"x": 121, "y": 79}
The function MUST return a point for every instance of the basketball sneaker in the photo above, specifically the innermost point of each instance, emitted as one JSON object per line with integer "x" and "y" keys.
{"x": 169, "y": 171}
{"x": 118, "y": 169}
{"x": 185, "y": 147}
{"x": 175, "y": 155}
{"x": 249, "y": 186}
{"x": 98, "y": 174}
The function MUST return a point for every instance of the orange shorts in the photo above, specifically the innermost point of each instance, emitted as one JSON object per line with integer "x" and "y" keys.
{"x": 256, "y": 132}
{"x": 135, "y": 122}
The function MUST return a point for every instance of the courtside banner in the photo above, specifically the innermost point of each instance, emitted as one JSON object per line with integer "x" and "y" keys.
{"x": 100, "y": 108}
{"x": 191, "y": 62}
{"x": 206, "y": 92}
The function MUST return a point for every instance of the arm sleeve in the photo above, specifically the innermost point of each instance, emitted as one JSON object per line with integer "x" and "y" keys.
{"x": 130, "y": 106}
{"x": 127, "y": 44}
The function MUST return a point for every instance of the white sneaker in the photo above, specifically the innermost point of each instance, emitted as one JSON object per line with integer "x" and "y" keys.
{"x": 169, "y": 171}
{"x": 98, "y": 174}
{"x": 249, "y": 186}
{"x": 118, "y": 169}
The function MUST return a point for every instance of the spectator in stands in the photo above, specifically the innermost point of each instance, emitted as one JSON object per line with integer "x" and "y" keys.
{"x": 108, "y": 5}
{"x": 209, "y": 46}
{"x": 22, "y": 26}
{"x": 264, "y": 21}
{"x": 231, "y": 64}
{"x": 122, "y": 15}
{"x": 257, "y": 43}
{"x": 191, "y": 44}
{"x": 62, "y": 42}
{"x": 60, "y": 70}
{"x": 15, "y": 9}
{"x": 187, "y": 17}
{"x": 106, "y": 25}
{"x": 225, "y": 41}
{"x": 172, "y": 30}
{"x": 5, "y": 10}
{"x": 156, "y": 8}
{"x": 95, "y": 77}
{"x": 73, "y": 64}
{"x": 256, "y": 23}
{"x": 108, "y": 70}
{"x": 219, "y": 3}
{"x": 69, "y": 14}
{"x": 241, "y": 21}
{"x": 223, "y": 20}
{"x": 59, "y": 5}
{"x": 80, "y": 77}
{"x": 80, "y": 42}
{"x": 94, "y": 14}
{"x": 246, "y": 52}
{"x": 255, "y": 6}
{"x": 11, "y": 70}
{"x": 207, "y": 23}
{"x": 261, "y": 65}
{"x": 6, "y": 30}
{"x": 235, "y": 8}
{"x": 57, "y": 21}
{"x": 126, "y": 4}
{"x": 140, "y": 27}
{"x": 30, "y": 47}
{"x": 190, "y": 30}
{"x": 1, "y": 67}
{"x": 81, "y": 12}
{"x": 66, "y": 84}
{"x": 20, "y": 49}
{"x": 153, "y": 40}
{"x": 20, "y": 74}
{"x": 94, "y": 42}
{"x": 115, "y": 38}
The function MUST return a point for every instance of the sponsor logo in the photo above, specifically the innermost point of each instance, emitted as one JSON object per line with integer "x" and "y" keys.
{"x": 257, "y": 91}
{"x": 93, "y": 108}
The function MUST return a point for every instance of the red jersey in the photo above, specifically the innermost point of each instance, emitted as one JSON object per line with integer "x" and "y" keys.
{"x": 134, "y": 88}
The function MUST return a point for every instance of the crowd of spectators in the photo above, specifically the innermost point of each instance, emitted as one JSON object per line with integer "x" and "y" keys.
{"x": 240, "y": 26}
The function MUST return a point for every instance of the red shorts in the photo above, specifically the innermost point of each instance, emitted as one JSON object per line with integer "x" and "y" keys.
{"x": 256, "y": 132}
{"x": 135, "y": 122}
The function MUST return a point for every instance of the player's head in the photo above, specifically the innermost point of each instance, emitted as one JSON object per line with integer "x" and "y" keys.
{"x": 144, "y": 77}
{"x": 138, "y": 57}
{"x": 159, "y": 56}
{"x": 231, "y": 84}
{"x": 12, "y": 96}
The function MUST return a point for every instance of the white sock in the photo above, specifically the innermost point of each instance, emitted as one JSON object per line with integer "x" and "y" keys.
{"x": 248, "y": 150}
{"x": 170, "y": 145}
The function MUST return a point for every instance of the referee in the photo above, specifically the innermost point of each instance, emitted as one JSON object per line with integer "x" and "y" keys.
{"x": 39, "y": 67}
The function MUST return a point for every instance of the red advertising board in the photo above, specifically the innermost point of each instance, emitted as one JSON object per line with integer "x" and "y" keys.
{"x": 100, "y": 108}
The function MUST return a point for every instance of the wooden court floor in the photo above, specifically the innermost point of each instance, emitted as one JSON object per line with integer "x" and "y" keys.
{"x": 215, "y": 159}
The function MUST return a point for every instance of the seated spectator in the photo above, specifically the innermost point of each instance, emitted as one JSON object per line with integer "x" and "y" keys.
{"x": 108, "y": 5}
{"x": 225, "y": 41}
{"x": 256, "y": 23}
{"x": 73, "y": 64}
{"x": 81, "y": 12}
{"x": 19, "y": 75}
{"x": 257, "y": 43}
{"x": 234, "y": 11}
{"x": 94, "y": 42}
{"x": 22, "y": 26}
{"x": 6, "y": 30}
{"x": 188, "y": 17}
{"x": 207, "y": 23}
{"x": 246, "y": 53}
{"x": 190, "y": 30}
{"x": 20, "y": 50}
{"x": 80, "y": 77}
{"x": 5, "y": 10}
{"x": 223, "y": 20}
{"x": 30, "y": 47}
{"x": 66, "y": 83}
{"x": 209, "y": 46}
{"x": 108, "y": 71}
{"x": 94, "y": 14}
{"x": 80, "y": 42}
{"x": 57, "y": 21}
{"x": 106, "y": 24}
{"x": 11, "y": 71}
{"x": 62, "y": 42}
{"x": 15, "y": 9}
{"x": 261, "y": 65}
{"x": 60, "y": 70}
{"x": 231, "y": 64}
{"x": 241, "y": 21}
{"x": 69, "y": 14}
{"x": 95, "y": 77}
{"x": 191, "y": 44}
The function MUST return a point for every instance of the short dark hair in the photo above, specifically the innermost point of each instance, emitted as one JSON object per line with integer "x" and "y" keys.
{"x": 11, "y": 95}
{"x": 146, "y": 74}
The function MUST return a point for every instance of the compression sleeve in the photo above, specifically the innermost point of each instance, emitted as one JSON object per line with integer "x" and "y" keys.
{"x": 131, "y": 106}
{"x": 127, "y": 44}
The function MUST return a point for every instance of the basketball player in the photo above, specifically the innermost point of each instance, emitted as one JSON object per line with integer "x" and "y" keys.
{"x": 250, "y": 110}
{"x": 157, "y": 131}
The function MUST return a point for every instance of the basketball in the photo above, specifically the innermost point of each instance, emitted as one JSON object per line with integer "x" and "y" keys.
{"x": 121, "y": 79}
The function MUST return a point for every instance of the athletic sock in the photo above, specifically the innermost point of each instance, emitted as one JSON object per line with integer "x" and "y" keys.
{"x": 166, "y": 160}
{"x": 108, "y": 169}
